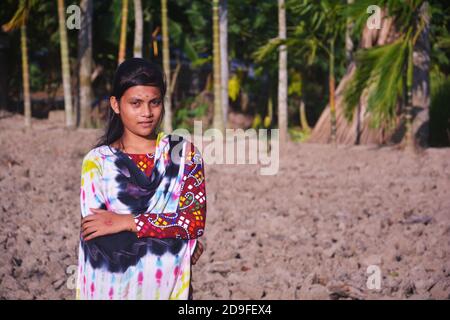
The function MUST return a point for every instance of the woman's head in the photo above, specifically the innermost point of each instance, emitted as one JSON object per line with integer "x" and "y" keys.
{"x": 137, "y": 100}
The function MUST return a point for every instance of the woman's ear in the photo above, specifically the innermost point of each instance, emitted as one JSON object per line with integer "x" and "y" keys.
{"x": 114, "y": 104}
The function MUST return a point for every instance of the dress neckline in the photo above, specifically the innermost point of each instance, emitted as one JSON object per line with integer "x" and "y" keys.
{"x": 132, "y": 154}
{"x": 140, "y": 154}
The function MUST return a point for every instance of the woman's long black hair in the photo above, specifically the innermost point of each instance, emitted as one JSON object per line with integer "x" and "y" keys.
{"x": 132, "y": 72}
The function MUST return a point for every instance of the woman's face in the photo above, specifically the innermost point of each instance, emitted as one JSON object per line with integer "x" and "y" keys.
{"x": 140, "y": 108}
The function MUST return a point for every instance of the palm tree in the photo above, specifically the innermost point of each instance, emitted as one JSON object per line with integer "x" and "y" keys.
{"x": 166, "y": 66}
{"x": 138, "y": 29}
{"x": 325, "y": 23}
{"x": 85, "y": 62}
{"x": 65, "y": 64}
{"x": 123, "y": 31}
{"x": 359, "y": 130}
{"x": 390, "y": 77}
{"x": 19, "y": 20}
{"x": 282, "y": 74}
{"x": 223, "y": 25}
{"x": 325, "y": 29}
{"x": 218, "y": 112}
{"x": 348, "y": 37}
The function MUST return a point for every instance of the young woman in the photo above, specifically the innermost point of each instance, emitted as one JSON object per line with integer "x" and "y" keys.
{"x": 143, "y": 198}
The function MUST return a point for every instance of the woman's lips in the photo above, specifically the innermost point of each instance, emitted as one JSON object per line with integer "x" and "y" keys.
{"x": 146, "y": 124}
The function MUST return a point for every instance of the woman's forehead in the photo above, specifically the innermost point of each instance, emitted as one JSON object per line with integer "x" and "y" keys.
{"x": 143, "y": 92}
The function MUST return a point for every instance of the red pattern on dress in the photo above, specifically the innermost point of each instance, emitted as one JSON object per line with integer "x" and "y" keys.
{"x": 144, "y": 162}
{"x": 189, "y": 220}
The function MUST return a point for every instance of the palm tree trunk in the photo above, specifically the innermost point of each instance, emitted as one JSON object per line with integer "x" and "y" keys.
{"x": 123, "y": 32}
{"x": 25, "y": 76}
{"x": 85, "y": 62}
{"x": 282, "y": 75}
{"x": 65, "y": 64}
{"x": 223, "y": 25}
{"x": 166, "y": 66}
{"x": 218, "y": 112}
{"x": 348, "y": 38}
{"x": 269, "y": 117}
{"x": 421, "y": 83}
{"x": 409, "y": 140}
{"x": 303, "y": 120}
{"x": 4, "y": 68}
{"x": 138, "y": 29}
{"x": 175, "y": 74}
{"x": 332, "y": 94}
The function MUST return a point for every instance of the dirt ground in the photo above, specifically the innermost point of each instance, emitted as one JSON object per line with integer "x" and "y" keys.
{"x": 309, "y": 232}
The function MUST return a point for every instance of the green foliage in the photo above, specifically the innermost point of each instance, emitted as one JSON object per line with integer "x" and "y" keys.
{"x": 234, "y": 87}
{"x": 295, "y": 84}
{"x": 21, "y": 16}
{"x": 298, "y": 135}
{"x": 257, "y": 122}
{"x": 268, "y": 49}
{"x": 182, "y": 41}
{"x": 403, "y": 12}
{"x": 267, "y": 122}
{"x": 37, "y": 78}
{"x": 184, "y": 116}
{"x": 380, "y": 71}
{"x": 385, "y": 72}
{"x": 311, "y": 25}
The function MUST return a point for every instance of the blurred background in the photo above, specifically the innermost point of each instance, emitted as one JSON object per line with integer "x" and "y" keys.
{"x": 259, "y": 87}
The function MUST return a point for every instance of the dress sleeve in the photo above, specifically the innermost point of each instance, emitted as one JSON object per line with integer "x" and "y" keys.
{"x": 91, "y": 191}
{"x": 189, "y": 220}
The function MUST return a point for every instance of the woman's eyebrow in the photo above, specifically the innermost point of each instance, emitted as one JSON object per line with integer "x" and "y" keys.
{"x": 140, "y": 99}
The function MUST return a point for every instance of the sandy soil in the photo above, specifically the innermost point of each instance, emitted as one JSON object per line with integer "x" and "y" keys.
{"x": 309, "y": 232}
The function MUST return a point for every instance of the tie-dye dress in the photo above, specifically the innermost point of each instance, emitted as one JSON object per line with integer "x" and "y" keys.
{"x": 167, "y": 198}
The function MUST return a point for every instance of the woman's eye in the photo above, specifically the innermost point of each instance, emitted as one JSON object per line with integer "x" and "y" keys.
{"x": 156, "y": 102}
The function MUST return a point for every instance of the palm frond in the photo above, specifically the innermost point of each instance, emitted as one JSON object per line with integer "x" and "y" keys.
{"x": 387, "y": 90}
{"x": 379, "y": 70}
{"x": 266, "y": 50}
{"x": 20, "y": 16}
{"x": 16, "y": 21}
{"x": 403, "y": 12}
{"x": 443, "y": 42}
{"x": 182, "y": 41}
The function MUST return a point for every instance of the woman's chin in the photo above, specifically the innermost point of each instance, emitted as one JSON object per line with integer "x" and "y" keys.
{"x": 145, "y": 132}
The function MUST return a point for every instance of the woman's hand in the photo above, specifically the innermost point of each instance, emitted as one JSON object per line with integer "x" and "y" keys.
{"x": 103, "y": 222}
{"x": 197, "y": 252}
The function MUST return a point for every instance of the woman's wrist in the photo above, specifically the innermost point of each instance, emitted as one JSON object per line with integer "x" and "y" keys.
{"x": 129, "y": 224}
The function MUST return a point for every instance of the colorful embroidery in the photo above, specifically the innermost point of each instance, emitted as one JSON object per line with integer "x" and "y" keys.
{"x": 189, "y": 220}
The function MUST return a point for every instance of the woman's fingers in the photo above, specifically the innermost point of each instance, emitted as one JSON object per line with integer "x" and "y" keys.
{"x": 96, "y": 215}
{"x": 88, "y": 218}
{"x": 88, "y": 231}
{"x": 92, "y": 236}
{"x": 95, "y": 211}
{"x": 88, "y": 224}
{"x": 92, "y": 217}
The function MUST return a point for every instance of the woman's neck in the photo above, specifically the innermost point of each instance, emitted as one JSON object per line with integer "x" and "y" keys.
{"x": 132, "y": 143}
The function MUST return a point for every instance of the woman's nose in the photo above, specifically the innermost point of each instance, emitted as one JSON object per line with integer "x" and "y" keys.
{"x": 147, "y": 112}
